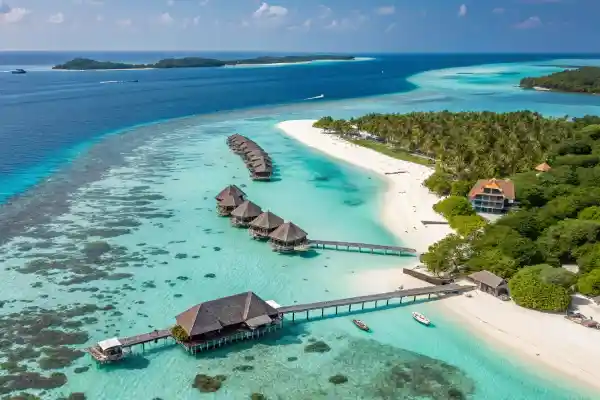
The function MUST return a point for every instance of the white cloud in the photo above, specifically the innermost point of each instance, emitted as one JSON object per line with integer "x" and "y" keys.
{"x": 165, "y": 19}
{"x": 57, "y": 18}
{"x": 10, "y": 15}
{"x": 324, "y": 11}
{"x": 462, "y": 10}
{"x": 203, "y": 2}
{"x": 347, "y": 24}
{"x": 90, "y": 2}
{"x": 170, "y": 2}
{"x": 498, "y": 10}
{"x": 529, "y": 23}
{"x": 124, "y": 23}
{"x": 390, "y": 27}
{"x": 267, "y": 11}
{"x": 385, "y": 10}
{"x": 99, "y": 18}
{"x": 196, "y": 20}
{"x": 306, "y": 25}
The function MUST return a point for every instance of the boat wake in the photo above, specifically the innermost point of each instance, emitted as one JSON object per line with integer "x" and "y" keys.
{"x": 316, "y": 97}
{"x": 132, "y": 81}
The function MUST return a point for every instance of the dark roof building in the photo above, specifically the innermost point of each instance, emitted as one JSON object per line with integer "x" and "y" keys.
{"x": 231, "y": 190}
{"x": 489, "y": 283}
{"x": 243, "y": 214}
{"x": 288, "y": 237}
{"x": 243, "y": 310}
{"x": 267, "y": 221}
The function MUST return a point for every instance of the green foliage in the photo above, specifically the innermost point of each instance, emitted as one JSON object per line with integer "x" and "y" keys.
{"x": 557, "y": 276}
{"x": 439, "y": 183}
{"x": 574, "y": 146}
{"x": 588, "y": 257}
{"x": 589, "y": 284}
{"x": 524, "y": 221}
{"x": 470, "y": 145}
{"x": 532, "y": 196}
{"x": 453, "y": 206}
{"x": 179, "y": 334}
{"x": 590, "y": 131}
{"x": 494, "y": 261}
{"x": 467, "y": 224}
{"x": 461, "y": 188}
{"x": 529, "y": 290}
{"x": 561, "y": 239}
{"x": 580, "y": 80}
{"x": 446, "y": 256}
{"x": 323, "y": 123}
{"x": 590, "y": 213}
{"x": 589, "y": 160}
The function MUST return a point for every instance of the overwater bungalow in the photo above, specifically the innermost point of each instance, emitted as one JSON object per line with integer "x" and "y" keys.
{"x": 260, "y": 172}
{"x": 231, "y": 190}
{"x": 254, "y": 154}
{"x": 262, "y": 226}
{"x": 216, "y": 322}
{"x": 108, "y": 350}
{"x": 229, "y": 203}
{"x": 244, "y": 214}
{"x": 288, "y": 238}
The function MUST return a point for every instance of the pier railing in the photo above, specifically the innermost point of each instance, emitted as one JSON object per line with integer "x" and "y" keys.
{"x": 360, "y": 247}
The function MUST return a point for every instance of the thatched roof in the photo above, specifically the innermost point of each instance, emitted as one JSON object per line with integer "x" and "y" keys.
{"x": 260, "y": 167}
{"x": 256, "y": 153}
{"x": 250, "y": 146}
{"x": 267, "y": 220}
{"x": 230, "y": 190}
{"x": 231, "y": 201}
{"x": 217, "y": 314}
{"x": 236, "y": 137}
{"x": 543, "y": 167}
{"x": 247, "y": 210}
{"x": 288, "y": 232}
{"x": 487, "y": 278}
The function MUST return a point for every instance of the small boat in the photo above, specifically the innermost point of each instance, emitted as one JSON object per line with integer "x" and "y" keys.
{"x": 18, "y": 71}
{"x": 421, "y": 318}
{"x": 361, "y": 325}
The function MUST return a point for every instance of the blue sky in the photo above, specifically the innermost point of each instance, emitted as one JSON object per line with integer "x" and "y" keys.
{"x": 303, "y": 25}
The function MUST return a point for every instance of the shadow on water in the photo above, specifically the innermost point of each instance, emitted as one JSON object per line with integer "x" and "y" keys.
{"x": 132, "y": 362}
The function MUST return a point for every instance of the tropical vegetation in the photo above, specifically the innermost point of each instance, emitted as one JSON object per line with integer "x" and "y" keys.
{"x": 580, "y": 80}
{"x": 557, "y": 221}
{"x": 179, "y": 334}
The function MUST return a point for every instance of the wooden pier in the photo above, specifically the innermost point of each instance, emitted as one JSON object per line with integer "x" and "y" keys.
{"x": 359, "y": 247}
{"x": 222, "y": 339}
{"x": 376, "y": 298}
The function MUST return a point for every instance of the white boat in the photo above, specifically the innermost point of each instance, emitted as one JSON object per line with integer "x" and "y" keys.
{"x": 421, "y": 318}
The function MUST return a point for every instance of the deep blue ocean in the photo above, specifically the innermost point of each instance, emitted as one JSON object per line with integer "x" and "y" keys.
{"x": 108, "y": 226}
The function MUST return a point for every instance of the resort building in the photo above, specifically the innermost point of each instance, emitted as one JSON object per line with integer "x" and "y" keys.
{"x": 244, "y": 214}
{"x": 227, "y": 204}
{"x": 492, "y": 195}
{"x": 288, "y": 238}
{"x": 264, "y": 224}
{"x": 490, "y": 283}
{"x": 224, "y": 320}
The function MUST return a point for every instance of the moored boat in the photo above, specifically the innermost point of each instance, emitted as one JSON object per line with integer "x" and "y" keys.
{"x": 18, "y": 71}
{"x": 421, "y": 318}
{"x": 361, "y": 325}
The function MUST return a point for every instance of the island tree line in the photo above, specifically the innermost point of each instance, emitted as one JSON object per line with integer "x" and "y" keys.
{"x": 557, "y": 221}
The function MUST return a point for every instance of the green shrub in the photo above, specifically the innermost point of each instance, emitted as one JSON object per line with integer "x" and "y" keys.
{"x": 578, "y": 161}
{"x": 589, "y": 284}
{"x": 461, "y": 188}
{"x": 179, "y": 333}
{"x": 557, "y": 276}
{"x": 453, "y": 206}
{"x": 467, "y": 224}
{"x": 528, "y": 290}
{"x": 591, "y": 213}
{"x": 439, "y": 183}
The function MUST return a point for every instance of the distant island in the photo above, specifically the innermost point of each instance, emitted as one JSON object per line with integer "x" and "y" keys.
{"x": 196, "y": 62}
{"x": 580, "y": 80}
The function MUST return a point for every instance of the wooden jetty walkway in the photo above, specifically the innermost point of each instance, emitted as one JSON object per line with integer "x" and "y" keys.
{"x": 145, "y": 337}
{"x": 398, "y": 294}
{"x": 352, "y": 246}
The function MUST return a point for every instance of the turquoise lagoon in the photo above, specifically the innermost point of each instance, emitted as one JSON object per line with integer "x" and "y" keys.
{"x": 149, "y": 194}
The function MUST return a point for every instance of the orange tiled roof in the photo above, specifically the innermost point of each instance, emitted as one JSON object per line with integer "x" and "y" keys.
{"x": 507, "y": 187}
{"x": 543, "y": 167}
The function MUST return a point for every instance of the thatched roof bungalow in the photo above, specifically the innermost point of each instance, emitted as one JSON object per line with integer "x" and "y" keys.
{"x": 229, "y": 203}
{"x": 260, "y": 171}
{"x": 262, "y": 226}
{"x": 244, "y": 214}
{"x": 231, "y": 190}
{"x": 543, "y": 167}
{"x": 240, "y": 313}
{"x": 288, "y": 237}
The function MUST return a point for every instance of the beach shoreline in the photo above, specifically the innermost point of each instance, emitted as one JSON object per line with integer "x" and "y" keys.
{"x": 564, "y": 349}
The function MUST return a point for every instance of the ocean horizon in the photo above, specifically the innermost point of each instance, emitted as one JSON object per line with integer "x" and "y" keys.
{"x": 89, "y": 160}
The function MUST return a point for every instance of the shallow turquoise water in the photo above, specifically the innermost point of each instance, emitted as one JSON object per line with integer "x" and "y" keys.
{"x": 165, "y": 180}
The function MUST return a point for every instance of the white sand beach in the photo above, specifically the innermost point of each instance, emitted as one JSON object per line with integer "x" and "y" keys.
{"x": 563, "y": 347}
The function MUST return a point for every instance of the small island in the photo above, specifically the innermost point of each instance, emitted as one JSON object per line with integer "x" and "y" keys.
{"x": 79, "y": 64}
{"x": 580, "y": 80}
